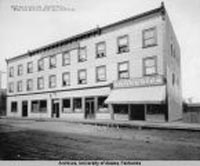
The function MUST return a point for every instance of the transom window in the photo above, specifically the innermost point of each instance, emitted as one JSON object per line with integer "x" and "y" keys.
{"x": 40, "y": 83}
{"x": 123, "y": 44}
{"x": 101, "y": 73}
{"x": 66, "y": 58}
{"x": 11, "y": 87}
{"x": 82, "y": 77}
{"x": 66, "y": 79}
{"x": 52, "y": 81}
{"x": 11, "y": 71}
{"x": 123, "y": 70}
{"x": 19, "y": 86}
{"x": 52, "y": 61}
{"x": 29, "y": 85}
{"x": 40, "y": 64}
{"x": 150, "y": 66}
{"x": 20, "y": 70}
{"x": 100, "y": 49}
{"x": 149, "y": 37}
{"x": 82, "y": 54}
{"x": 29, "y": 67}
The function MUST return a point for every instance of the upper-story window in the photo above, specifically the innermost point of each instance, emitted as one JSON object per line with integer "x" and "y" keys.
{"x": 11, "y": 72}
{"x": 29, "y": 85}
{"x": 66, "y": 58}
{"x": 66, "y": 79}
{"x": 11, "y": 87}
{"x": 101, "y": 73}
{"x": 150, "y": 65}
{"x": 40, "y": 64}
{"x": 20, "y": 70}
{"x": 19, "y": 86}
{"x": 149, "y": 37}
{"x": 30, "y": 67}
{"x": 82, "y": 77}
{"x": 40, "y": 83}
{"x": 52, "y": 61}
{"x": 82, "y": 56}
{"x": 123, "y": 44}
{"x": 101, "y": 49}
{"x": 123, "y": 70}
{"x": 52, "y": 81}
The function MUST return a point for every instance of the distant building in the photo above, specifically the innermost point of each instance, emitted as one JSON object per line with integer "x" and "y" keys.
{"x": 2, "y": 95}
{"x": 128, "y": 70}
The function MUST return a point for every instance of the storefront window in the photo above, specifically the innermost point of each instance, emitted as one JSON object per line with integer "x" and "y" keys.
{"x": 39, "y": 106}
{"x": 102, "y": 107}
{"x": 66, "y": 105}
{"x": 121, "y": 109}
{"x": 77, "y": 104}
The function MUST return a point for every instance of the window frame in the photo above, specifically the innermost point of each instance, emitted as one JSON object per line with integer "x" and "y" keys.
{"x": 154, "y": 28}
{"x": 38, "y": 85}
{"x": 27, "y": 84}
{"x": 20, "y": 72}
{"x": 156, "y": 66}
{"x": 50, "y": 65}
{"x": 79, "y": 71}
{"x": 63, "y": 58}
{"x": 18, "y": 86}
{"x": 16, "y": 105}
{"x": 97, "y": 51}
{"x": 79, "y": 54}
{"x": 128, "y": 70}
{"x": 66, "y": 73}
{"x": 105, "y": 73}
{"x": 11, "y": 71}
{"x": 11, "y": 84}
{"x": 50, "y": 81}
{"x": 39, "y": 67}
{"x": 30, "y": 69}
{"x": 118, "y": 44}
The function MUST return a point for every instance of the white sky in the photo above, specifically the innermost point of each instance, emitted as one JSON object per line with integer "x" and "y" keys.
{"x": 20, "y": 31}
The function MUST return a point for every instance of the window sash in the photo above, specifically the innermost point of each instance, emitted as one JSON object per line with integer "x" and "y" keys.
{"x": 149, "y": 37}
{"x": 11, "y": 87}
{"x": 30, "y": 67}
{"x": 82, "y": 54}
{"x": 20, "y": 70}
{"x": 30, "y": 85}
{"x": 40, "y": 64}
{"x": 101, "y": 73}
{"x": 11, "y": 72}
{"x": 66, "y": 58}
{"x": 19, "y": 86}
{"x": 150, "y": 66}
{"x": 52, "y": 61}
{"x": 40, "y": 83}
{"x": 52, "y": 81}
{"x": 123, "y": 41}
{"x": 66, "y": 79}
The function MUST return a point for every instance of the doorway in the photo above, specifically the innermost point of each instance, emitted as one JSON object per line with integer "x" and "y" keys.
{"x": 89, "y": 108}
{"x": 55, "y": 108}
{"x": 137, "y": 112}
{"x": 24, "y": 108}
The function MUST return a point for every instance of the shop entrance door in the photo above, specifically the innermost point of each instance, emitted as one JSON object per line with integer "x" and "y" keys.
{"x": 89, "y": 108}
{"x": 137, "y": 112}
{"x": 55, "y": 108}
{"x": 24, "y": 108}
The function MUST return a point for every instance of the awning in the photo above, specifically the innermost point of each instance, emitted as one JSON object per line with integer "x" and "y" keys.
{"x": 141, "y": 95}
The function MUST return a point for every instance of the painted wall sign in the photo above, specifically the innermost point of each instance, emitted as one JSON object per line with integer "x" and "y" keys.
{"x": 138, "y": 82}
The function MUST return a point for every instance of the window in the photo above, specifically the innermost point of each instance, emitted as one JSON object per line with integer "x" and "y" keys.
{"x": 11, "y": 87}
{"x": 20, "y": 70}
{"x": 82, "y": 54}
{"x": 77, "y": 105}
{"x": 82, "y": 77}
{"x": 29, "y": 85}
{"x": 40, "y": 83}
{"x": 101, "y": 73}
{"x": 100, "y": 49}
{"x": 173, "y": 51}
{"x": 102, "y": 107}
{"x": 39, "y": 106}
{"x": 66, "y": 105}
{"x": 14, "y": 106}
{"x": 66, "y": 58}
{"x": 66, "y": 79}
{"x": 149, "y": 37}
{"x": 123, "y": 72}
{"x": 52, "y": 81}
{"x": 150, "y": 66}
{"x": 52, "y": 61}
{"x": 123, "y": 45}
{"x": 11, "y": 71}
{"x": 40, "y": 64}
{"x": 30, "y": 67}
{"x": 19, "y": 86}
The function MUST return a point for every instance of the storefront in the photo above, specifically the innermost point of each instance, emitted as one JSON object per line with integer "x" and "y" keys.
{"x": 139, "y": 99}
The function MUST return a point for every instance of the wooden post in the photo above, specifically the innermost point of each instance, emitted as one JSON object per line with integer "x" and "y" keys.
{"x": 110, "y": 106}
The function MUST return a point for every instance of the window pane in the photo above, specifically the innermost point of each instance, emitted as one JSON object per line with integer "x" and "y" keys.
{"x": 101, "y": 47}
{"x": 150, "y": 70}
{"x": 66, "y": 58}
{"x": 150, "y": 62}
{"x": 101, "y": 73}
{"x": 149, "y": 34}
{"x": 123, "y": 41}
{"x": 150, "y": 41}
{"x": 123, "y": 66}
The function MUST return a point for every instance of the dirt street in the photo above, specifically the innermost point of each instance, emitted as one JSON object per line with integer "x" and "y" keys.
{"x": 41, "y": 140}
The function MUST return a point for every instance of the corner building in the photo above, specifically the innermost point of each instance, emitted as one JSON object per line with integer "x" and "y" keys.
{"x": 128, "y": 70}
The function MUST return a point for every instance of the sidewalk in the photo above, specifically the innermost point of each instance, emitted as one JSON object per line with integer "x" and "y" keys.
{"x": 121, "y": 124}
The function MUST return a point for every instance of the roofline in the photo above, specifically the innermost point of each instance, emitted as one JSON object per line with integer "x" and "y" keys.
{"x": 95, "y": 31}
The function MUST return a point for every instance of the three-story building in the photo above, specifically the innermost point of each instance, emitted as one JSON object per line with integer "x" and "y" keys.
{"x": 127, "y": 70}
